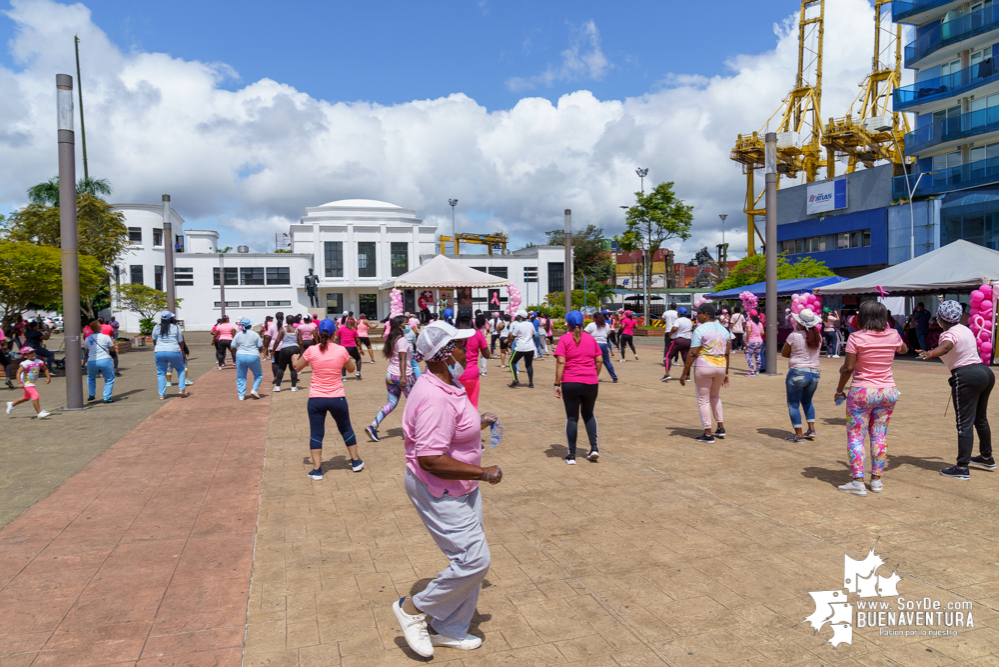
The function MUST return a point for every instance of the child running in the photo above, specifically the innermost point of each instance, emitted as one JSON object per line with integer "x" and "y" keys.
{"x": 27, "y": 375}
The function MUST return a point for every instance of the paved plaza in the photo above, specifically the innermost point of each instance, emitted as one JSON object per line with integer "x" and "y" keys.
{"x": 195, "y": 538}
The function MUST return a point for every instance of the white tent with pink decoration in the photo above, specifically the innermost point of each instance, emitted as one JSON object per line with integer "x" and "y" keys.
{"x": 443, "y": 273}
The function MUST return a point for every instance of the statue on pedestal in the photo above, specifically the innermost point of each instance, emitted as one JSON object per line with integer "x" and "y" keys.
{"x": 312, "y": 288}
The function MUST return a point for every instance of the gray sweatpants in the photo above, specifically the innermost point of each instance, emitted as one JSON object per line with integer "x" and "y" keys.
{"x": 456, "y": 526}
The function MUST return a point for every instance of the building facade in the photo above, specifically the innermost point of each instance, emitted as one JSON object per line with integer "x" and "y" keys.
{"x": 955, "y": 100}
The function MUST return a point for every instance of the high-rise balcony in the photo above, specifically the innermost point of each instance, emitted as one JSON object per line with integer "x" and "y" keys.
{"x": 943, "y": 87}
{"x": 952, "y": 32}
{"x": 908, "y": 11}
{"x": 960, "y": 177}
{"x": 951, "y": 129}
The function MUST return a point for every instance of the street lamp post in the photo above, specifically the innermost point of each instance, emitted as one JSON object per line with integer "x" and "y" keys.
{"x": 771, "y": 252}
{"x": 222, "y": 280}
{"x": 646, "y": 263}
{"x": 723, "y": 216}
{"x": 454, "y": 230}
{"x": 568, "y": 260}
{"x": 911, "y": 190}
{"x": 171, "y": 290}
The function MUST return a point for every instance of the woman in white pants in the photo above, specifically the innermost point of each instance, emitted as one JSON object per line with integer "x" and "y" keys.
{"x": 443, "y": 457}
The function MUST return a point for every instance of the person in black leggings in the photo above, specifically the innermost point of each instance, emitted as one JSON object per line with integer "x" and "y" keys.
{"x": 286, "y": 347}
{"x": 522, "y": 338}
{"x": 578, "y": 360}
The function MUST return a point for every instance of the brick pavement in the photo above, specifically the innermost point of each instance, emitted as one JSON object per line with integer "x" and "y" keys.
{"x": 143, "y": 557}
{"x": 664, "y": 552}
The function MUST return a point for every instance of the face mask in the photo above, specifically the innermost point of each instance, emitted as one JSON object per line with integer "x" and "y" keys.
{"x": 456, "y": 370}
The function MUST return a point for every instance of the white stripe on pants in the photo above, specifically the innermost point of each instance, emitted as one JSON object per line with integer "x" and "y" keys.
{"x": 456, "y": 526}
{"x": 709, "y": 381}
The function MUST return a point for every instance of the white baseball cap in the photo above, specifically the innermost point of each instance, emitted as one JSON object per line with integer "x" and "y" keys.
{"x": 436, "y": 335}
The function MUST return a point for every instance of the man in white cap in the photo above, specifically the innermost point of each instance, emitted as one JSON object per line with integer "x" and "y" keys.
{"x": 441, "y": 429}
{"x": 523, "y": 348}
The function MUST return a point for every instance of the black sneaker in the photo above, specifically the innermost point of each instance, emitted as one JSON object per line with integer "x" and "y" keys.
{"x": 720, "y": 433}
{"x": 90, "y": 398}
{"x": 514, "y": 384}
{"x": 357, "y": 466}
{"x": 615, "y": 380}
{"x": 704, "y": 437}
{"x": 530, "y": 386}
{"x": 666, "y": 378}
{"x": 316, "y": 474}
{"x": 593, "y": 455}
{"x": 957, "y": 472}
{"x": 372, "y": 433}
{"x": 571, "y": 460}
{"x": 982, "y": 462}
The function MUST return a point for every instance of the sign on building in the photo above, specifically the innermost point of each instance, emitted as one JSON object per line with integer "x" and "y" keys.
{"x": 829, "y": 196}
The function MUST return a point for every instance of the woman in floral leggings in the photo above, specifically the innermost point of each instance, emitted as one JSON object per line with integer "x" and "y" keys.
{"x": 754, "y": 345}
{"x": 871, "y": 399}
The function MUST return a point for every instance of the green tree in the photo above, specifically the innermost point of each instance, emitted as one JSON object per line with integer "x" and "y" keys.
{"x": 32, "y": 278}
{"x": 589, "y": 257}
{"x": 48, "y": 192}
{"x": 142, "y": 299}
{"x": 593, "y": 298}
{"x": 751, "y": 270}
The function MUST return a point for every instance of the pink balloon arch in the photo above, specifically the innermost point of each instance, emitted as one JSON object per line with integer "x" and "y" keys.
{"x": 981, "y": 320}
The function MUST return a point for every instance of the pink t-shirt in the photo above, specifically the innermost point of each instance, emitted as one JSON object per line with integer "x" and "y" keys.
{"x": 225, "y": 331}
{"x": 401, "y": 345}
{"x": 965, "y": 350}
{"x": 875, "y": 351}
{"x": 580, "y": 360}
{"x": 472, "y": 347}
{"x": 754, "y": 332}
{"x": 307, "y": 331}
{"x": 627, "y": 326}
{"x": 414, "y": 323}
{"x": 801, "y": 354}
{"x": 272, "y": 331}
{"x": 362, "y": 328}
{"x": 327, "y": 379}
{"x": 439, "y": 419}
{"x": 348, "y": 337}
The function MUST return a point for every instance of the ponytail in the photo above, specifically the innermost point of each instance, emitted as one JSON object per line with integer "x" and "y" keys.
{"x": 324, "y": 339}
{"x": 813, "y": 338}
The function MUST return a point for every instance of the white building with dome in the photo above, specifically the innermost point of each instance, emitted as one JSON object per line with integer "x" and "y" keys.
{"x": 352, "y": 245}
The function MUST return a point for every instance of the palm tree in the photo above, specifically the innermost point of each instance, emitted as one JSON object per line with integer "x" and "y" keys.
{"x": 48, "y": 192}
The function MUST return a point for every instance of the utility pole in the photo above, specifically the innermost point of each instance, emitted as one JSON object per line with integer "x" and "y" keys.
{"x": 68, "y": 241}
{"x": 771, "y": 252}
{"x": 79, "y": 90}
{"x": 222, "y": 280}
{"x": 454, "y": 230}
{"x": 568, "y": 260}
{"x": 171, "y": 289}
{"x": 646, "y": 265}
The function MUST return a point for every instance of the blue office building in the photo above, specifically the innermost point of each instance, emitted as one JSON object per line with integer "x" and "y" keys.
{"x": 955, "y": 100}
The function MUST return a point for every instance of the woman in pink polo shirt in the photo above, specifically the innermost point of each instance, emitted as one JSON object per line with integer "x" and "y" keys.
{"x": 628, "y": 324}
{"x": 578, "y": 360}
{"x": 443, "y": 470}
{"x": 870, "y": 351}
{"x": 477, "y": 347}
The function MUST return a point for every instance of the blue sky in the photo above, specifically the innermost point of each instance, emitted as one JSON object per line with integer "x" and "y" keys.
{"x": 393, "y": 52}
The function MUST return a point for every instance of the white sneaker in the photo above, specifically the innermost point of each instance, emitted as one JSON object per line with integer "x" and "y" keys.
{"x": 10, "y": 407}
{"x": 877, "y": 486}
{"x": 242, "y": 398}
{"x": 294, "y": 388}
{"x": 43, "y": 414}
{"x": 466, "y": 643}
{"x": 255, "y": 394}
{"x": 277, "y": 389}
{"x": 855, "y": 487}
{"x": 414, "y": 629}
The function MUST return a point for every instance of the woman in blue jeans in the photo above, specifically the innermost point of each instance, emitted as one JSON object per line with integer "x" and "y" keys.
{"x": 247, "y": 344}
{"x": 167, "y": 352}
{"x": 801, "y": 349}
{"x": 601, "y": 332}
{"x": 100, "y": 346}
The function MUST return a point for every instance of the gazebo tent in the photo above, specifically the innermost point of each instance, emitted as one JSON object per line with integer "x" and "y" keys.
{"x": 444, "y": 273}
{"x": 960, "y": 266}
{"x": 784, "y": 287}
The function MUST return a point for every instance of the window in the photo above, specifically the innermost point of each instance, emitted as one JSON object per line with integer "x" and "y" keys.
{"x": 334, "y": 259}
{"x": 278, "y": 275}
{"x": 951, "y": 67}
{"x": 366, "y": 265}
{"x": 251, "y": 275}
{"x": 530, "y": 274}
{"x": 253, "y": 304}
{"x": 368, "y": 304}
{"x": 279, "y": 303}
{"x": 799, "y": 246}
{"x": 157, "y": 237}
{"x": 135, "y": 274}
{"x": 231, "y": 276}
{"x": 183, "y": 276}
{"x": 816, "y": 244}
{"x": 843, "y": 241}
{"x": 480, "y": 268}
{"x": 179, "y": 245}
{"x": 556, "y": 277}
{"x": 228, "y": 304}
{"x": 867, "y": 238}
{"x": 135, "y": 235}
{"x": 158, "y": 277}
{"x": 498, "y": 271}
{"x": 400, "y": 258}
{"x": 334, "y": 303}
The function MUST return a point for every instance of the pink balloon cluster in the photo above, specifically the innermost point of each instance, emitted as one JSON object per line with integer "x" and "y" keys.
{"x": 981, "y": 318}
{"x": 749, "y": 301}
{"x": 800, "y": 302}
{"x": 515, "y": 300}
{"x": 699, "y": 301}
{"x": 395, "y": 302}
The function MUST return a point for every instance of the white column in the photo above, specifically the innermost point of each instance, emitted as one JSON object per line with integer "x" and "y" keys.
{"x": 317, "y": 253}
{"x": 385, "y": 256}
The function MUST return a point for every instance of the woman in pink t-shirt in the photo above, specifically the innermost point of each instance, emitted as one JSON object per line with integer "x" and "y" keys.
{"x": 306, "y": 333}
{"x": 362, "y": 337}
{"x": 326, "y": 395}
{"x": 399, "y": 377}
{"x": 627, "y": 339}
{"x": 971, "y": 383}
{"x": 577, "y": 374}
{"x": 754, "y": 345}
{"x": 475, "y": 347}
{"x": 222, "y": 339}
{"x": 870, "y": 351}
{"x": 346, "y": 335}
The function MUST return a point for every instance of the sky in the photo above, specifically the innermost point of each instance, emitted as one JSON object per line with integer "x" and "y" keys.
{"x": 519, "y": 110}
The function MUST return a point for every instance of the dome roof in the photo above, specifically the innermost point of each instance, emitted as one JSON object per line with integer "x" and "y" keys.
{"x": 361, "y": 203}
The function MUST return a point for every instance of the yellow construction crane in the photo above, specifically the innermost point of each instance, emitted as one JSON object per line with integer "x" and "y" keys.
{"x": 878, "y": 131}
{"x": 799, "y": 133}
{"x": 492, "y": 241}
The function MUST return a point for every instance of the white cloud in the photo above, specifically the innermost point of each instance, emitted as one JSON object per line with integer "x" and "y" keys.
{"x": 581, "y": 61}
{"x": 249, "y": 160}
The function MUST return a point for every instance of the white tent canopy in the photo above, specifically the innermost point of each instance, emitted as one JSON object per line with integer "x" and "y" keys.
{"x": 444, "y": 273}
{"x": 958, "y": 266}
